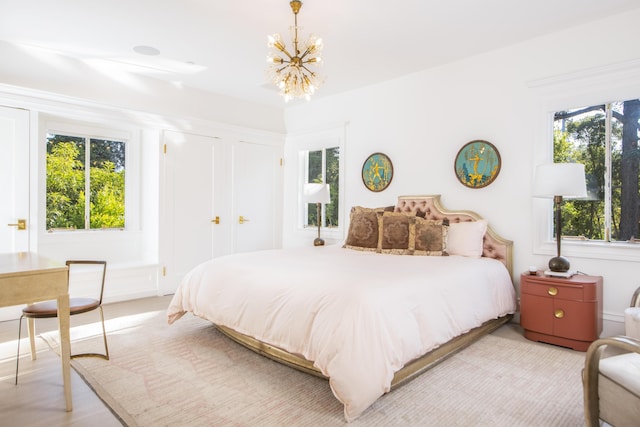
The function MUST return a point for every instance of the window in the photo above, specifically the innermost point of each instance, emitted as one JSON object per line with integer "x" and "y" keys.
{"x": 319, "y": 158}
{"x": 605, "y": 139}
{"x": 85, "y": 182}
{"x": 323, "y": 166}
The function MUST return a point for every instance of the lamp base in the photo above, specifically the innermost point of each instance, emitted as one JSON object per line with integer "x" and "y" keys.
{"x": 318, "y": 242}
{"x": 559, "y": 264}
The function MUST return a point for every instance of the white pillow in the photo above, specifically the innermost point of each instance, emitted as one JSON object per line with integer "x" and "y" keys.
{"x": 466, "y": 238}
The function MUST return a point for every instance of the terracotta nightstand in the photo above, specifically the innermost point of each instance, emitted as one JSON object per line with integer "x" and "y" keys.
{"x": 565, "y": 312}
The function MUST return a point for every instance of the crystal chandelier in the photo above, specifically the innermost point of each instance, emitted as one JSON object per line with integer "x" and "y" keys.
{"x": 290, "y": 70}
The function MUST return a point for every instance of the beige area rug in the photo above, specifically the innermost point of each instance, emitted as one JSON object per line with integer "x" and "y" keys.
{"x": 189, "y": 374}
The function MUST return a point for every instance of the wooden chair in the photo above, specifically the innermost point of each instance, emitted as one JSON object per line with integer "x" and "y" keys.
{"x": 86, "y": 287}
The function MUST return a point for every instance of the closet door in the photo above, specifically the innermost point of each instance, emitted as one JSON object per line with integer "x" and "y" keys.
{"x": 14, "y": 176}
{"x": 193, "y": 230}
{"x": 14, "y": 188}
{"x": 256, "y": 184}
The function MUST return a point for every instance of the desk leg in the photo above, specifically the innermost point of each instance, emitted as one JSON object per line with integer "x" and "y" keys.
{"x": 65, "y": 347}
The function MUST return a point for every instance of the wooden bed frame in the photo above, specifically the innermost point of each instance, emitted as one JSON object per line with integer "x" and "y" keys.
{"x": 494, "y": 246}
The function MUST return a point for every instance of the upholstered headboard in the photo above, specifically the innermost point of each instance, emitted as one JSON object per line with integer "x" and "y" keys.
{"x": 494, "y": 246}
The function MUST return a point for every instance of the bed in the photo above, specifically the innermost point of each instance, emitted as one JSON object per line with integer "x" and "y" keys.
{"x": 412, "y": 284}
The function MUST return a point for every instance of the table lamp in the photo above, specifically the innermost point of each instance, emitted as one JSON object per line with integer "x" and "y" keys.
{"x": 557, "y": 181}
{"x": 318, "y": 194}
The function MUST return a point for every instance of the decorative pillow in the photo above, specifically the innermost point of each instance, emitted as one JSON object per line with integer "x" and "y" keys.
{"x": 430, "y": 237}
{"x": 363, "y": 228}
{"x": 395, "y": 233}
{"x": 466, "y": 238}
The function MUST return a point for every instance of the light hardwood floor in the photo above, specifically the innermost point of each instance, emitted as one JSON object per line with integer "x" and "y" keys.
{"x": 38, "y": 399}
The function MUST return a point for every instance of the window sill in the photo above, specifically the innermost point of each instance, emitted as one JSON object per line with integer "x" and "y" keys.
{"x": 593, "y": 250}
{"x": 325, "y": 233}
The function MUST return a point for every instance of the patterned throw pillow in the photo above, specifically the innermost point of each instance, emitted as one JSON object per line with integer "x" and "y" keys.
{"x": 406, "y": 234}
{"x": 395, "y": 233}
{"x": 363, "y": 228}
{"x": 431, "y": 237}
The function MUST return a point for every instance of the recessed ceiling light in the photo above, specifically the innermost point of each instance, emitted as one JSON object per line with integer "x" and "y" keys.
{"x": 146, "y": 50}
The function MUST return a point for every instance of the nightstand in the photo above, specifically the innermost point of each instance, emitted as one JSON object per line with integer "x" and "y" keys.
{"x": 565, "y": 312}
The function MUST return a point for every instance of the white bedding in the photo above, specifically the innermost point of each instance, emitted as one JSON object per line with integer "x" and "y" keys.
{"x": 359, "y": 316}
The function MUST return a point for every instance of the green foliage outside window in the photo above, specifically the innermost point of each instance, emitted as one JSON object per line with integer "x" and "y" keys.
{"x": 580, "y": 136}
{"x": 320, "y": 172}
{"x": 67, "y": 180}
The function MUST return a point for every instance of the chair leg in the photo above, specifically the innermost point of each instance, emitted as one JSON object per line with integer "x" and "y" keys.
{"x": 104, "y": 336}
{"x": 18, "y": 355}
{"x": 32, "y": 336}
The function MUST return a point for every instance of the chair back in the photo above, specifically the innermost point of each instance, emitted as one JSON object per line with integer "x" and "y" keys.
{"x": 86, "y": 279}
{"x": 635, "y": 299}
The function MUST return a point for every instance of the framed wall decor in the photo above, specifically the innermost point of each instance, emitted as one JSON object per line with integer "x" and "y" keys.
{"x": 477, "y": 164}
{"x": 377, "y": 172}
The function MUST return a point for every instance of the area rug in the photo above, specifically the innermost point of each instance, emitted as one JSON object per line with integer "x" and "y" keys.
{"x": 189, "y": 374}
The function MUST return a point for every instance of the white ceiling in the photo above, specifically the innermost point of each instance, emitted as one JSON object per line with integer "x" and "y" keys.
{"x": 365, "y": 41}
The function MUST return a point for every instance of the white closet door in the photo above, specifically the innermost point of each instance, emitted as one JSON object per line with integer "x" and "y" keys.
{"x": 14, "y": 176}
{"x": 255, "y": 191}
{"x": 14, "y": 188}
{"x": 190, "y": 234}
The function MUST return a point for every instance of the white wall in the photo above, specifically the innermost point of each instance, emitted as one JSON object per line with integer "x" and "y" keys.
{"x": 505, "y": 96}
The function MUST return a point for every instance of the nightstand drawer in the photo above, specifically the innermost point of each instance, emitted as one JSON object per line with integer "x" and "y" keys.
{"x": 553, "y": 290}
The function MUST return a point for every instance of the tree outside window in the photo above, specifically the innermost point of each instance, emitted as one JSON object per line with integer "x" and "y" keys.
{"x": 323, "y": 167}
{"x": 85, "y": 183}
{"x": 605, "y": 139}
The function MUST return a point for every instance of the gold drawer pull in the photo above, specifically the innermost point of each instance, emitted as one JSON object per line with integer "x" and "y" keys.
{"x": 552, "y": 291}
{"x": 558, "y": 314}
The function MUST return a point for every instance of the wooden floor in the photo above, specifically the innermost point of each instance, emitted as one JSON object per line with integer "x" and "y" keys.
{"x": 38, "y": 399}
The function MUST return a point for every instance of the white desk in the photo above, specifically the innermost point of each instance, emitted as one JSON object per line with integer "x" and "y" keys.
{"x": 26, "y": 278}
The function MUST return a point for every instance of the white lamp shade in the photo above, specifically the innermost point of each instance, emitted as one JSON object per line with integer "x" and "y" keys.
{"x": 317, "y": 193}
{"x": 560, "y": 179}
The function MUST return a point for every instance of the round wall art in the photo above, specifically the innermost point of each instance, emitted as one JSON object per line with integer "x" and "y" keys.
{"x": 377, "y": 172}
{"x": 477, "y": 164}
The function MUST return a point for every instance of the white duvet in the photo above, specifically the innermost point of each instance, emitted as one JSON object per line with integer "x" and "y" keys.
{"x": 359, "y": 316}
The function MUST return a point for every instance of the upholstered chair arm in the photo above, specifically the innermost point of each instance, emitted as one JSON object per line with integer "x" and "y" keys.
{"x": 591, "y": 371}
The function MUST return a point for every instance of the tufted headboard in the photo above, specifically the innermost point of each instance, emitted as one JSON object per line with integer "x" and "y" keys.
{"x": 494, "y": 246}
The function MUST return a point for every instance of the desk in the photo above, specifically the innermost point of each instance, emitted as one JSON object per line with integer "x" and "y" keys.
{"x": 26, "y": 278}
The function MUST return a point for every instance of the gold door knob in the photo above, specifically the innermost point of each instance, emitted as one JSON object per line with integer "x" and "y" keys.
{"x": 22, "y": 224}
{"x": 242, "y": 219}
{"x": 552, "y": 291}
{"x": 216, "y": 220}
{"x": 558, "y": 314}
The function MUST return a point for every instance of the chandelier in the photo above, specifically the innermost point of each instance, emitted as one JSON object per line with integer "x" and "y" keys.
{"x": 290, "y": 70}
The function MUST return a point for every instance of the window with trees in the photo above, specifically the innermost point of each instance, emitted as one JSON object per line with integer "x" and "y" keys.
{"x": 323, "y": 166}
{"x": 85, "y": 182}
{"x": 605, "y": 139}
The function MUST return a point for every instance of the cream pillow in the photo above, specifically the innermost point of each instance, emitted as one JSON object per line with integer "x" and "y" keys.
{"x": 466, "y": 238}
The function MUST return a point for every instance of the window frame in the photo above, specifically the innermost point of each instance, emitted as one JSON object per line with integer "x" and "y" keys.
{"x": 132, "y": 168}
{"x": 566, "y": 92}
{"x": 317, "y": 141}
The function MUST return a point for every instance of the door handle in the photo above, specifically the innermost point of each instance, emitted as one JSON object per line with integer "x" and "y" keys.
{"x": 216, "y": 220}
{"x": 242, "y": 219}
{"x": 22, "y": 224}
